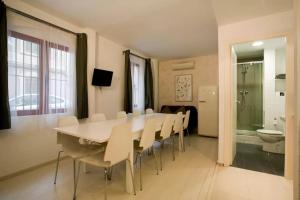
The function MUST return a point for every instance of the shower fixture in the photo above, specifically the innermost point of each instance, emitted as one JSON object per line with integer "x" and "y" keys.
{"x": 244, "y": 91}
{"x": 244, "y": 70}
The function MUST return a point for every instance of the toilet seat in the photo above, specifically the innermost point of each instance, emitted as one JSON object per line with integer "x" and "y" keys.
{"x": 269, "y": 132}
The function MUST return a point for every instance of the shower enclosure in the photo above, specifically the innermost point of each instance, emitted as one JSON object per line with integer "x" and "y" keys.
{"x": 250, "y": 95}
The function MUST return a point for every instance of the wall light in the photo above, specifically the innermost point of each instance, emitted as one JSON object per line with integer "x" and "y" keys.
{"x": 257, "y": 43}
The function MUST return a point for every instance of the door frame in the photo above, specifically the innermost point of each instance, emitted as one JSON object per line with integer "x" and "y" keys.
{"x": 289, "y": 106}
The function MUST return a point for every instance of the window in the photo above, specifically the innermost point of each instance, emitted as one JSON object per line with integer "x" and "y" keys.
{"x": 58, "y": 91}
{"x": 138, "y": 73}
{"x": 39, "y": 76}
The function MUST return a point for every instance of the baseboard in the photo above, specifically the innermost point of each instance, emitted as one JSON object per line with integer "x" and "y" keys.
{"x": 23, "y": 171}
{"x": 208, "y": 136}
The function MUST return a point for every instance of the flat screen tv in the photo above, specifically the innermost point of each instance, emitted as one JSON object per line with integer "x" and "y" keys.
{"x": 102, "y": 77}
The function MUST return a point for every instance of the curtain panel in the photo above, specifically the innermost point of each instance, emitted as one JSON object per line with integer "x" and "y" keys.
{"x": 41, "y": 75}
{"x": 81, "y": 76}
{"x": 149, "y": 100}
{"x": 128, "y": 84}
{"x": 5, "y": 122}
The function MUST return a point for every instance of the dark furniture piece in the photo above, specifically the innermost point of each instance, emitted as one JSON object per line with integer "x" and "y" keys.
{"x": 193, "y": 122}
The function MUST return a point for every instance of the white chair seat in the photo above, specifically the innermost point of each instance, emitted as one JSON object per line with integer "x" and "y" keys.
{"x": 78, "y": 151}
{"x": 136, "y": 113}
{"x": 97, "y": 160}
{"x": 75, "y": 150}
{"x": 118, "y": 149}
{"x": 146, "y": 142}
{"x": 149, "y": 111}
{"x": 121, "y": 115}
{"x": 98, "y": 117}
{"x": 71, "y": 145}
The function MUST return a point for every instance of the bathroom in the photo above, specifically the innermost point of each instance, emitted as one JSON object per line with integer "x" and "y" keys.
{"x": 260, "y": 105}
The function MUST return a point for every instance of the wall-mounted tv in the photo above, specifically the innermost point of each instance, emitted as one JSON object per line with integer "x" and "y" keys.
{"x": 102, "y": 77}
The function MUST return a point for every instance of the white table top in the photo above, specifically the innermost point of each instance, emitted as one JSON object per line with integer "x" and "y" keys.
{"x": 101, "y": 131}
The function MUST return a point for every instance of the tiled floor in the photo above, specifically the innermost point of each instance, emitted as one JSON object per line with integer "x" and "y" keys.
{"x": 239, "y": 184}
{"x": 193, "y": 175}
{"x": 252, "y": 157}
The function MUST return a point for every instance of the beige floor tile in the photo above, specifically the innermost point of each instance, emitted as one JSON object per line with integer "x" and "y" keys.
{"x": 194, "y": 175}
{"x": 234, "y": 183}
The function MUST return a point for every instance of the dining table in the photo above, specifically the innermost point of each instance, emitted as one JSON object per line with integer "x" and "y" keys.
{"x": 100, "y": 132}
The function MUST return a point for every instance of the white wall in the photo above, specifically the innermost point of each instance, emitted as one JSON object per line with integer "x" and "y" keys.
{"x": 280, "y": 24}
{"x": 274, "y": 104}
{"x": 204, "y": 73}
{"x": 109, "y": 100}
{"x": 20, "y": 150}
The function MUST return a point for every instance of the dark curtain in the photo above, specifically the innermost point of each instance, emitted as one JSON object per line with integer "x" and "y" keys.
{"x": 128, "y": 84}
{"x": 81, "y": 76}
{"x": 5, "y": 122}
{"x": 149, "y": 100}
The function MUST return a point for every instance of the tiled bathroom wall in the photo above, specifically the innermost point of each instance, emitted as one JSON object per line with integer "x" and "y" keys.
{"x": 274, "y": 100}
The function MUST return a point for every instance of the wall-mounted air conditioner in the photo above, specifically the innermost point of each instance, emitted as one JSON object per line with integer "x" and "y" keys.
{"x": 183, "y": 65}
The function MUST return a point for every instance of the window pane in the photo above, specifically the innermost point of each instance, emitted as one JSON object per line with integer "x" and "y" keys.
{"x": 59, "y": 77}
{"x": 35, "y": 50}
{"x": 11, "y": 49}
{"x": 23, "y": 79}
{"x": 137, "y": 72}
{"x": 19, "y": 52}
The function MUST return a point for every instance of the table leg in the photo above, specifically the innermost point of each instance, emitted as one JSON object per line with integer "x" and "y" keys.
{"x": 129, "y": 187}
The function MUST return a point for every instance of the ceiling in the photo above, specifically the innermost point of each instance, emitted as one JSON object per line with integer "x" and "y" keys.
{"x": 228, "y": 11}
{"x": 246, "y": 50}
{"x": 165, "y": 29}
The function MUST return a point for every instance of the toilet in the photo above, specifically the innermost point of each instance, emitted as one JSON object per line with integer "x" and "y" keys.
{"x": 273, "y": 140}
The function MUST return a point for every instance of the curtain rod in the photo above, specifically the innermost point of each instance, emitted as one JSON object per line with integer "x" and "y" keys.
{"x": 134, "y": 54}
{"x": 39, "y": 20}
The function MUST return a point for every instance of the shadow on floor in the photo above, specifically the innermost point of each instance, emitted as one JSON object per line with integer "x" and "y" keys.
{"x": 252, "y": 157}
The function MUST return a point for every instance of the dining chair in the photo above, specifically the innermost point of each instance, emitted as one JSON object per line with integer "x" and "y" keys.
{"x": 121, "y": 115}
{"x": 70, "y": 144}
{"x": 114, "y": 153}
{"x": 149, "y": 111}
{"x": 136, "y": 113}
{"x": 178, "y": 129}
{"x": 164, "y": 134}
{"x": 146, "y": 143}
{"x": 98, "y": 117}
{"x": 186, "y": 124}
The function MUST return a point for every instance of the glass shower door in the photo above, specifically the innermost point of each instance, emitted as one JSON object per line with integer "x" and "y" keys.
{"x": 250, "y": 96}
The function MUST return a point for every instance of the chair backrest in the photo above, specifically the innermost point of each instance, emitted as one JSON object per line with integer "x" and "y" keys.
{"x": 119, "y": 144}
{"x": 121, "y": 115}
{"x": 149, "y": 111}
{"x": 167, "y": 126}
{"x": 186, "y": 119}
{"x": 178, "y": 123}
{"x": 66, "y": 121}
{"x": 148, "y": 135}
{"x": 98, "y": 117}
{"x": 136, "y": 113}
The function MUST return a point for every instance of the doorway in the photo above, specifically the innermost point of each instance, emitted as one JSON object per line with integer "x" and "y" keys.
{"x": 259, "y": 95}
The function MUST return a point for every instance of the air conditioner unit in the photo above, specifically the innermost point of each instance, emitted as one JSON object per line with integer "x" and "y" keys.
{"x": 183, "y": 65}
